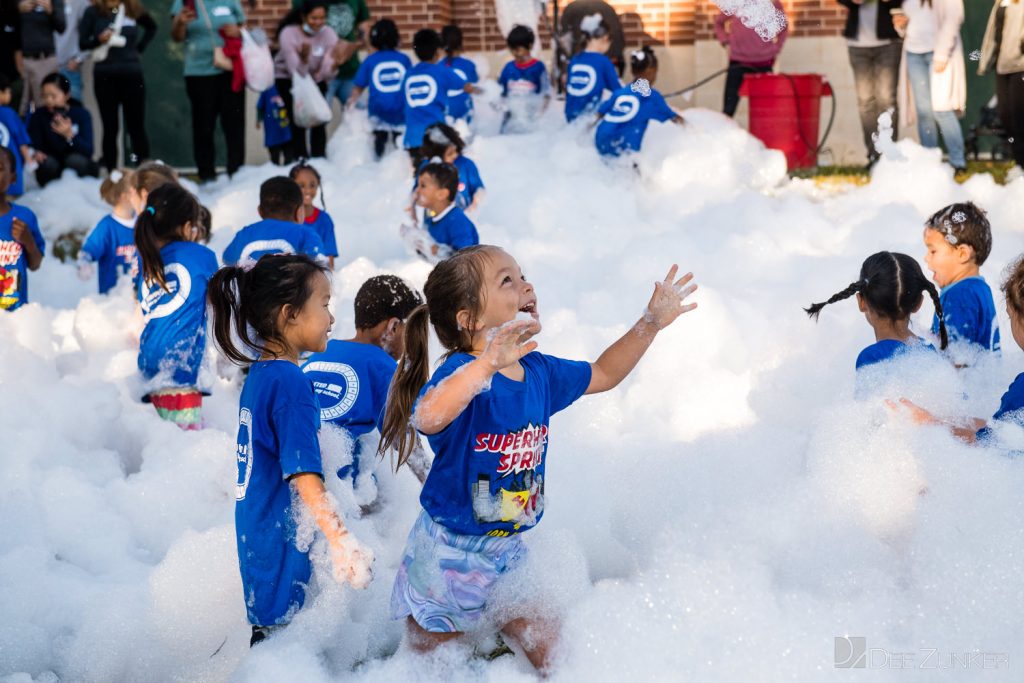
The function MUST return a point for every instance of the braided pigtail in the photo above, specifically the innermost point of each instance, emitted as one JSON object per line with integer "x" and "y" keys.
{"x": 934, "y": 294}
{"x": 814, "y": 309}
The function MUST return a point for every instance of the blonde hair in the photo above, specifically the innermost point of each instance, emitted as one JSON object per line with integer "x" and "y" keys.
{"x": 115, "y": 185}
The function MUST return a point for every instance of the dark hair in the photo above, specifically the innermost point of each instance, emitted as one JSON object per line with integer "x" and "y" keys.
{"x": 167, "y": 209}
{"x": 12, "y": 161}
{"x": 248, "y": 302}
{"x": 964, "y": 223}
{"x": 297, "y": 15}
{"x": 520, "y": 36}
{"x": 455, "y": 284}
{"x": 892, "y": 285}
{"x": 59, "y": 80}
{"x": 425, "y": 44}
{"x": 304, "y": 165}
{"x": 280, "y": 196}
{"x": 112, "y": 190}
{"x": 153, "y": 174}
{"x": 451, "y": 36}
{"x": 436, "y": 140}
{"x": 643, "y": 59}
{"x": 205, "y": 224}
{"x": 384, "y": 35}
{"x": 5, "y": 82}
{"x": 383, "y": 297}
{"x": 599, "y": 31}
{"x": 446, "y": 175}
{"x": 1013, "y": 286}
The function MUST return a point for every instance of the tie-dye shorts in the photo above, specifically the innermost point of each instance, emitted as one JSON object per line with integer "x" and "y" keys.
{"x": 445, "y": 578}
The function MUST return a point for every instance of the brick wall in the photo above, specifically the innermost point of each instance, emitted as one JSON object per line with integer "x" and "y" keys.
{"x": 657, "y": 22}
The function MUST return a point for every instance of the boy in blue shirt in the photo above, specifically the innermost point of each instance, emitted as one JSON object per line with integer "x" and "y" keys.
{"x": 445, "y": 143}
{"x": 958, "y": 240}
{"x": 525, "y": 89}
{"x": 21, "y": 243}
{"x": 449, "y": 228}
{"x": 383, "y": 73}
{"x": 625, "y": 115}
{"x": 281, "y": 231}
{"x": 277, "y": 131}
{"x": 460, "y": 103}
{"x": 426, "y": 87}
{"x": 13, "y": 136}
{"x": 351, "y": 377}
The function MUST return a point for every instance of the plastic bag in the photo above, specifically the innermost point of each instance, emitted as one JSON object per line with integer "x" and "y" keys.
{"x": 259, "y": 65}
{"x": 309, "y": 107}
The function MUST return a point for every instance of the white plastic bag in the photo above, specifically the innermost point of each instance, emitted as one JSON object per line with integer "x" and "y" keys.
{"x": 259, "y": 65}
{"x": 309, "y": 107}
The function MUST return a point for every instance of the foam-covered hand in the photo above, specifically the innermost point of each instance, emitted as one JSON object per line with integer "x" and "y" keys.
{"x": 667, "y": 301}
{"x": 510, "y": 342}
{"x": 353, "y": 563}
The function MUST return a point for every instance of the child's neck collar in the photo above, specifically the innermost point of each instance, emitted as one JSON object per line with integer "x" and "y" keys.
{"x": 438, "y": 215}
{"x": 969, "y": 271}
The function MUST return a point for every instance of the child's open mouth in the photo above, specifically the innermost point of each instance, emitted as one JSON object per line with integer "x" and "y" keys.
{"x": 530, "y": 309}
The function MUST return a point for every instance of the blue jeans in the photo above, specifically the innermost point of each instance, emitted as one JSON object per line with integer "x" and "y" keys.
{"x": 340, "y": 88}
{"x": 75, "y": 78}
{"x": 919, "y": 71}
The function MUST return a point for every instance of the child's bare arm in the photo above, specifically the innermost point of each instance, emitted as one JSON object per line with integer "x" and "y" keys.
{"x": 21, "y": 233}
{"x": 966, "y": 430}
{"x": 621, "y": 357}
{"x": 351, "y": 561}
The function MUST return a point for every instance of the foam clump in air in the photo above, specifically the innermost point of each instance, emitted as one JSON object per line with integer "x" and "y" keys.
{"x": 760, "y": 15}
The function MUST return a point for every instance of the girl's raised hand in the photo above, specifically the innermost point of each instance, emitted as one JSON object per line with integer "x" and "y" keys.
{"x": 510, "y": 342}
{"x": 667, "y": 301}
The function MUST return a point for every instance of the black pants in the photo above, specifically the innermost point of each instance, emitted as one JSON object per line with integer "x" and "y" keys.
{"x": 381, "y": 138}
{"x": 317, "y": 134}
{"x": 1010, "y": 91}
{"x": 281, "y": 154}
{"x": 52, "y": 168}
{"x": 117, "y": 92}
{"x": 733, "y": 81}
{"x": 212, "y": 98}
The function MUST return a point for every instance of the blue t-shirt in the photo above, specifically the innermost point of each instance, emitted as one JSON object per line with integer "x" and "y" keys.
{"x": 278, "y": 421}
{"x": 488, "y": 472}
{"x": 970, "y": 313}
{"x": 452, "y": 227}
{"x": 589, "y": 75}
{"x": 351, "y": 382}
{"x": 625, "y": 118}
{"x": 13, "y": 135}
{"x": 272, "y": 236}
{"x": 522, "y": 80}
{"x": 174, "y": 339}
{"x": 426, "y": 88}
{"x": 323, "y": 226}
{"x": 888, "y": 349}
{"x": 111, "y": 245}
{"x": 274, "y": 114}
{"x": 382, "y": 73}
{"x": 1010, "y": 407}
{"x": 880, "y": 364}
{"x": 470, "y": 181}
{"x": 13, "y": 264}
{"x": 460, "y": 102}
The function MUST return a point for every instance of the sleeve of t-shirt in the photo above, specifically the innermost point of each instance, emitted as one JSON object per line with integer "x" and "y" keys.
{"x": 503, "y": 78}
{"x": 362, "y": 78}
{"x": 232, "y": 252}
{"x": 567, "y": 380}
{"x": 660, "y": 111}
{"x": 295, "y": 420}
{"x": 261, "y": 103}
{"x": 19, "y": 133}
{"x": 328, "y": 238}
{"x": 543, "y": 82}
{"x": 97, "y": 243}
{"x": 473, "y": 176}
{"x": 455, "y": 81}
{"x": 611, "y": 76}
{"x": 446, "y": 370}
{"x": 606, "y": 106}
{"x": 312, "y": 246}
{"x": 33, "y": 225}
{"x": 471, "y": 75}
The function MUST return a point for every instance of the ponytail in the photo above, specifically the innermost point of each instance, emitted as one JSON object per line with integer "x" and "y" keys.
{"x": 412, "y": 374}
{"x": 222, "y": 293}
{"x": 814, "y": 309}
{"x": 168, "y": 209}
{"x": 934, "y": 294}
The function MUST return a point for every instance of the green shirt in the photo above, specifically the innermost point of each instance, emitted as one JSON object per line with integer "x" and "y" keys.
{"x": 200, "y": 40}
{"x": 344, "y": 16}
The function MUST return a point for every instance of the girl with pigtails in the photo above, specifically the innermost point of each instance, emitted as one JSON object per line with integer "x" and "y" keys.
{"x": 590, "y": 73}
{"x": 486, "y": 413}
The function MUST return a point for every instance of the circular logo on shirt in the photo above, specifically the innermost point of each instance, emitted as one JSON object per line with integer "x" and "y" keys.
{"x": 458, "y": 91}
{"x": 243, "y": 453}
{"x": 5, "y": 135}
{"x": 158, "y": 302}
{"x": 342, "y": 19}
{"x": 625, "y": 109}
{"x": 264, "y": 247}
{"x": 387, "y": 76}
{"x": 582, "y": 79}
{"x": 420, "y": 90}
{"x": 337, "y": 392}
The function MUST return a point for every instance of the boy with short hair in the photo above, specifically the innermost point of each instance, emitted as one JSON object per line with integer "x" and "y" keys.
{"x": 281, "y": 231}
{"x": 21, "y": 243}
{"x": 426, "y": 87}
{"x": 448, "y": 226}
{"x": 525, "y": 88}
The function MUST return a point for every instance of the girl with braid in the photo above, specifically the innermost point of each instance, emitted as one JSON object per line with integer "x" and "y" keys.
{"x": 890, "y": 289}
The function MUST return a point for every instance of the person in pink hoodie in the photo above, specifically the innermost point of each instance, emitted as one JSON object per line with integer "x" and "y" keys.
{"x": 748, "y": 53}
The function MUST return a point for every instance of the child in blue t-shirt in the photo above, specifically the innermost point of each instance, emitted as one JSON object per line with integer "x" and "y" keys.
{"x": 21, "y": 243}
{"x": 382, "y": 73}
{"x": 426, "y": 88}
{"x": 525, "y": 89}
{"x": 272, "y": 113}
{"x": 174, "y": 271}
{"x": 351, "y": 377}
{"x": 444, "y": 142}
{"x": 625, "y": 115}
{"x": 317, "y": 220}
{"x": 958, "y": 240}
{"x": 281, "y": 230}
{"x": 448, "y": 226}
{"x": 486, "y": 413}
{"x": 891, "y": 288}
{"x": 280, "y": 473}
{"x": 110, "y": 246}
{"x": 14, "y": 136}
{"x": 460, "y": 102}
{"x": 590, "y": 73}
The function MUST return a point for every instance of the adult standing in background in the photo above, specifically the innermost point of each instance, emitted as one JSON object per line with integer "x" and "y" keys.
{"x": 40, "y": 20}
{"x": 117, "y": 44}
{"x": 749, "y": 53}
{"x": 350, "y": 19}
{"x": 199, "y": 24}
{"x": 10, "y": 46}
{"x": 875, "y": 50}
{"x": 69, "y": 55}
{"x": 1002, "y": 49}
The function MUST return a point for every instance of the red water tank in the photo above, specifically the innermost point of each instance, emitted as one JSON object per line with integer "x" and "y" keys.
{"x": 785, "y": 110}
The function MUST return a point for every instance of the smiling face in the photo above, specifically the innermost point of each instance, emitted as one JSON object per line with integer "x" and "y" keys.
{"x": 316, "y": 19}
{"x": 945, "y": 260}
{"x": 430, "y": 195}
{"x": 506, "y": 293}
{"x": 310, "y": 328}
{"x": 308, "y": 183}
{"x": 53, "y": 97}
{"x": 521, "y": 54}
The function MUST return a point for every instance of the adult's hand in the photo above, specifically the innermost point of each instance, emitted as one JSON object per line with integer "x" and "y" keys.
{"x": 900, "y": 21}
{"x": 344, "y": 50}
{"x": 61, "y": 125}
{"x": 939, "y": 67}
{"x": 304, "y": 52}
{"x": 105, "y": 36}
{"x": 180, "y": 24}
